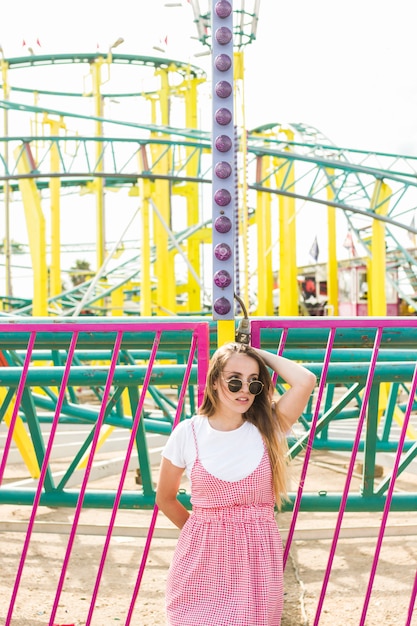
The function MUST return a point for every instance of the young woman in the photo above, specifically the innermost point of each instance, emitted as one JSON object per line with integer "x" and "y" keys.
{"x": 227, "y": 566}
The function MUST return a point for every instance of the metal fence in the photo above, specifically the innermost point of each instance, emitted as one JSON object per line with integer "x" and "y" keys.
{"x": 77, "y": 396}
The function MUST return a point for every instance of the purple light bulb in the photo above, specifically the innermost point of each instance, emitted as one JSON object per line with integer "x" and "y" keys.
{"x": 223, "y": 35}
{"x": 222, "y": 224}
{"x": 222, "y": 306}
{"x": 222, "y": 252}
{"x": 223, "y": 169}
{"x": 222, "y": 279}
{"x": 223, "y": 8}
{"x": 223, "y": 116}
{"x": 223, "y": 143}
{"x": 223, "y": 62}
{"x": 223, "y": 89}
{"x": 222, "y": 197}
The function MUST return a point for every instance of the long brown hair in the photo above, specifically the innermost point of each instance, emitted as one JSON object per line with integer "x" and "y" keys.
{"x": 261, "y": 413}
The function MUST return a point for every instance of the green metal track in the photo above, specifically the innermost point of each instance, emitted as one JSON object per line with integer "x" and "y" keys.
{"x": 311, "y": 167}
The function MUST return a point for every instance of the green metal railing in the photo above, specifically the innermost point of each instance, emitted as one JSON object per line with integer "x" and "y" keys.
{"x": 333, "y": 420}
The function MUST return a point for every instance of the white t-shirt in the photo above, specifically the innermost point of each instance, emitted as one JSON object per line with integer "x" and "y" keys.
{"x": 228, "y": 455}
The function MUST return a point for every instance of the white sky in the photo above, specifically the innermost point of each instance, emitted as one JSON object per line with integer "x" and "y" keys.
{"x": 347, "y": 67}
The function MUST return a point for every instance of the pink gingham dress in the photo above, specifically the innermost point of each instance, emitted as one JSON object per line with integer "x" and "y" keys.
{"x": 227, "y": 566}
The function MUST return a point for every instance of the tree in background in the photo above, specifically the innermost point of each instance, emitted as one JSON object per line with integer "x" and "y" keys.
{"x": 80, "y": 272}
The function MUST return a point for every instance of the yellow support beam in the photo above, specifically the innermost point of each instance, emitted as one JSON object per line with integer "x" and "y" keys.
{"x": 105, "y": 433}
{"x": 22, "y": 440}
{"x": 332, "y": 273}
{"x": 35, "y": 223}
{"x": 225, "y": 331}
{"x": 384, "y": 391}
{"x": 192, "y": 199}
{"x": 20, "y": 436}
{"x": 377, "y": 299}
{"x": 288, "y": 286}
{"x": 117, "y": 301}
{"x": 164, "y": 269}
{"x": 265, "y": 304}
{"x": 55, "y": 283}
{"x": 99, "y": 182}
{"x": 6, "y": 185}
{"x": 146, "y": 284}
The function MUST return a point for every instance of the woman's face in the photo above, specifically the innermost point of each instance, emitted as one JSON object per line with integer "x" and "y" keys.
{"x": 245, "y": 369}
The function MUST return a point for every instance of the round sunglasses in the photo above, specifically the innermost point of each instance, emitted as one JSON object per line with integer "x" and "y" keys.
{"x": 235, "y": 384}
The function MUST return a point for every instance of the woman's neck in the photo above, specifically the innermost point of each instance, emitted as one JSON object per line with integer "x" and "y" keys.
{"x": 226, "y": 423}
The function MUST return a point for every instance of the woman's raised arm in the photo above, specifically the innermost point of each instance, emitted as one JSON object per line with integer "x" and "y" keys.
{"x": 301, "y": 381}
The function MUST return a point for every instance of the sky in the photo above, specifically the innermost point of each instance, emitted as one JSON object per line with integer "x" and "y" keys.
{"x": 347, "y": 68}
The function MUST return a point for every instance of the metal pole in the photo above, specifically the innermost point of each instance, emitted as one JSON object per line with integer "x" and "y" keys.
{"x": 7, "y": 245}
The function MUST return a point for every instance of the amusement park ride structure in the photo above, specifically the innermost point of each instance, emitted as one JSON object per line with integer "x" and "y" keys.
{"x": 142, "y": 376}
{"x": 49, "y": 146}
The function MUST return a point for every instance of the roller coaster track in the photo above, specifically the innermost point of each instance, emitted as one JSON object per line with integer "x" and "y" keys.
{"x": 68, "y": 302}
{"x": 310, "y": 169}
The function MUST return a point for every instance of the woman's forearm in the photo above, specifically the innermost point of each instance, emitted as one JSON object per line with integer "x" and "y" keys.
{"x": 166, "y": 493}
{"x": 174, "y": 511}
{"x": 293, "y": 373}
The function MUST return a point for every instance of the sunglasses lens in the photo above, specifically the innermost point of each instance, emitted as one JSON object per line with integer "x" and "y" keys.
{"x": 234, "y": 385}
{"x": 255, "y": 387}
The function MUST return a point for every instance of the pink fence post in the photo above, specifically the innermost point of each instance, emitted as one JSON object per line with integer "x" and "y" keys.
{"x": 44, "y": 469}
{"x": 125, "y": 468}
{"x": 412, "y": 602}
{"x": 19, "y": 394}
{"x": 83, "y": 488}
{"x": 310, "y": 442}
{"x": 279, "y": 352}
{"x": 352, "y": 461}
{"x": 389, "y": 496}
{"x": 155, "y": 509}
{"x": 203, "y": 356}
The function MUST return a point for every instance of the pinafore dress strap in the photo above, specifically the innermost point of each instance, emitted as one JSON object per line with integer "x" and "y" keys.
{"x": 195, "y": 441}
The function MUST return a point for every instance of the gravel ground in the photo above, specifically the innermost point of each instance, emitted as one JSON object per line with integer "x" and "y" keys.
{"x": 304, "y": 574}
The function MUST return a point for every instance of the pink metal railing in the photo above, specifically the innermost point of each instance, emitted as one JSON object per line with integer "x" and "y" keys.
{"x": 44, "y": 468}
{"x": 199, "y": 349}
{"x": 199, "y": 341}
{"x": 377, "y": 326}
